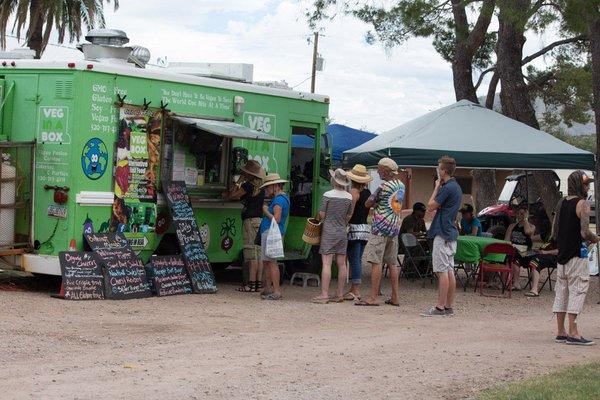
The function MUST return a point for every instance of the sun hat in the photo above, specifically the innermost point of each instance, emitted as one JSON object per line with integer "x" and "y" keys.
{"x": 389, "y": 163}
{"x": 272, "y": 179}
{"x": 340, "y": 177}
{"x": 253, "y": 168}
{"x": 359, "y": 174}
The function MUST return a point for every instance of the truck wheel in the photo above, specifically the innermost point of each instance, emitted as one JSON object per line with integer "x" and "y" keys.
{"x": 498, "y": 232}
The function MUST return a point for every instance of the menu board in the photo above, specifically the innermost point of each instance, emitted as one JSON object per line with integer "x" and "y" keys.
{"x": 81, "y": 275}
{"x": 169, "y": 275}
{"x": 124, "y": 273}
{"x": 96, "y": 241}
{"x": 188, "y": 236}
{"x": 126, "y": 279}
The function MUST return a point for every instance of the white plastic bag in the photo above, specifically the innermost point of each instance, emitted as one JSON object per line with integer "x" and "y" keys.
{"x": 274, "y": 245}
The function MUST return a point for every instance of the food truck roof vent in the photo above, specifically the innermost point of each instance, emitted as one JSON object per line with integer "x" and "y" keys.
{"x": 110, "y": 37}
{"x": 107, "y": 45}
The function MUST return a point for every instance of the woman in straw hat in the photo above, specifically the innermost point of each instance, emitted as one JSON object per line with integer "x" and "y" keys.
{"x": 358, "y": 232}
{"x": 336, "y": 210}
{"x": 248, "y": 189}
{"x": 278, "y": 209}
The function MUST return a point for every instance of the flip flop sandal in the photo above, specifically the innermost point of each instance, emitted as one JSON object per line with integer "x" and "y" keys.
{"x": 319, "y": 300}
{"x": 336, "y": 299}
{"x": 265, "y": 294}
{"x": 245, "y": 288}
{"x": 366, "y": 304}
{"x": 273, "y": 296}
{"x": 389, "y": 302}
{"x": 531, "y": 294}
{"x": 351, "y": 297}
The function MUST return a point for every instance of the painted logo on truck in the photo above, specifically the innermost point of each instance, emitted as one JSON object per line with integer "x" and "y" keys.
{"x": 263, "y": 152}
{"x": 94, "y": 158}
{"x": 53, "y": 125}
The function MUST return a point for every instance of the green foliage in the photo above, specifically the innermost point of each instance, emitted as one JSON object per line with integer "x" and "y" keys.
{"x": 394, "y": 24}
{"x": 573, "y": 383}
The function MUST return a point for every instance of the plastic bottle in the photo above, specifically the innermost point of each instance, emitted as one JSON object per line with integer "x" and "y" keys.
{"x": 583, "y": 251}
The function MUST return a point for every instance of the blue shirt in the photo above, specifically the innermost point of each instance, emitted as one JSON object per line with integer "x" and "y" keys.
{"x": 449, "y": 198}
{"x": 283, "y": 201}
{"x": 467, "y": 227}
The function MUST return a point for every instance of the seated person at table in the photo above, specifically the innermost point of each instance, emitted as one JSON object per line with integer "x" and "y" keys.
{"x": 546, "y": 258}
{"x": 469, "y": 224}
{"x": 415, "y": 222}
{"x": 520, "y": 234}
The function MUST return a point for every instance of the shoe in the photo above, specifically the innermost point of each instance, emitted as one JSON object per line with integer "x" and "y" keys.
{"x": 560, "y": 339}
{"x": 449, "y": 311}
{"x": 579, "y": 342}
{"x": 433, "y": 312}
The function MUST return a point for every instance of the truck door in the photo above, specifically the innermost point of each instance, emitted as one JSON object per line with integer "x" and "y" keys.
{"x": 309, "y": 177}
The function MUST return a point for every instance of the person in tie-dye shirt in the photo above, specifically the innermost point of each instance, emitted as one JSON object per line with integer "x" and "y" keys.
{"x": 383, "y": 241}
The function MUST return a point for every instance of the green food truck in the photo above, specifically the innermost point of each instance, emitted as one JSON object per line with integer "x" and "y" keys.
{"x": 86, "y": 145}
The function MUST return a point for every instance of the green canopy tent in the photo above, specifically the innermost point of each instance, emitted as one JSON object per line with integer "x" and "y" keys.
{"x": 476, "y": 137}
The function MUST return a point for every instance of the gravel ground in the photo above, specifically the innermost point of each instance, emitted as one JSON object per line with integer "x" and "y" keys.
{"x": 233, "y": 345}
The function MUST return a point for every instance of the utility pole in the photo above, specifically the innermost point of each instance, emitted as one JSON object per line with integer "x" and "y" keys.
{"x": 314, "y": 63}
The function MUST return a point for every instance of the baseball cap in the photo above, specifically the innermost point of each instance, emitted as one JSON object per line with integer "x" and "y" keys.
{"x": 389, "y": 163}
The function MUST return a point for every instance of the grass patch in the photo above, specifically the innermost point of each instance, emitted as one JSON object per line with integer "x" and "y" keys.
{"x": 582, "y": 382}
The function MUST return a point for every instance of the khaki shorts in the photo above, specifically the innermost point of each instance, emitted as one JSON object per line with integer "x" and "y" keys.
{"x": 249, "y": 232}
{"x": 382, "y": 249}
{"x": 572, "y": 283}
{"x": 442, "y": 256}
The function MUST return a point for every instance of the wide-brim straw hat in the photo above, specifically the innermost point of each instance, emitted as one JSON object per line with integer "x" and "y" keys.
{"x": 340, "y": 177}
{"x": 359, "y": 174}
{"x": 272, "y": 179}
{"x": 253, "y": 168}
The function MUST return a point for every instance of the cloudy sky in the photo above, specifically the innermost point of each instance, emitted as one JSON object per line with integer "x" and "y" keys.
{"x": 369, "y": 88}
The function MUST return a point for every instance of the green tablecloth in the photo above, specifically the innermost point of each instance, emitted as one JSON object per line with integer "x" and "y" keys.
{"x": 469, "y": 249}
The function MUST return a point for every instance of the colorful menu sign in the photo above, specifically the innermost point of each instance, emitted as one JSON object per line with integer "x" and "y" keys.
{"x": 169, "y": 275}
{"x": 135, "y": 173}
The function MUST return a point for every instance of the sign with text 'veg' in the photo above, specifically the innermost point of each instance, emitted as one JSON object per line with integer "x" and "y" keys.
{"x": 53, "y": 124}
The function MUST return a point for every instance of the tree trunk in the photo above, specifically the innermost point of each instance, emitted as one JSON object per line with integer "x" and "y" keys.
{"x": 486, "y": 193}
{"x": 462, "y": 74}
{"x": 514, "y": 94}
{"x": 35, "y": 37}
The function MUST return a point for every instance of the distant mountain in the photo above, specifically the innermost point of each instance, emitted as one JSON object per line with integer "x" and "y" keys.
{"x": 576, "y": 130}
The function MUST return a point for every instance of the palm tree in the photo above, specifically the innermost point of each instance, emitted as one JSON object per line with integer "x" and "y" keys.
{"x": 39, "y": 17}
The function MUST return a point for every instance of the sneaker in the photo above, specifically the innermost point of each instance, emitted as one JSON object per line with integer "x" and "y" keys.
{"x": 579, "y": 342}
{"x": 449, "y": 312}
{"x": 560, "y": 339}
{"x": 433, "y": 312}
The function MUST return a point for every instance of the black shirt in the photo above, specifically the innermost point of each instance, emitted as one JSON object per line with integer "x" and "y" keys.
{"x": 518, "y": 236}
{"x": 252, "y": 204}
{"x": 569, "y": 231}
{"x": 360, "y": 214}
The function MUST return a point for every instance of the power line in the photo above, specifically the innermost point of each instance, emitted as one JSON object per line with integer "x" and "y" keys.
{"x": 295, "y": 86}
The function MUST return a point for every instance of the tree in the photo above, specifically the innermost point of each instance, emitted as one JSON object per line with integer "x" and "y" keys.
{"x": 40, "y": 17}
{"x": 463, "y": 44}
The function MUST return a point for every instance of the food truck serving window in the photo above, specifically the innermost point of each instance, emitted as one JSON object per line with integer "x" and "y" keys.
{"x": 198, "y": 152}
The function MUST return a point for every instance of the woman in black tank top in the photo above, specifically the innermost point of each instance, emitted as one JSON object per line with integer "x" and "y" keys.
{"x": 569, "y": 235}
{"x": 358, "y": 229}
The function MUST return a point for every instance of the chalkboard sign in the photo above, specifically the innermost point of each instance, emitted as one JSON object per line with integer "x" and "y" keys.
{"x": 188, "y": 235}
{"x": 96, "y": 241}
{"x": 115, "y": 254}
{"x": 81, "y": 275}
{"x": 125, "y": 279}
{"x": 169, "y": 275}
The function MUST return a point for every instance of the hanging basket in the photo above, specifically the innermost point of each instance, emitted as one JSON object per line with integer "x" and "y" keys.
{"x": 312, "y": 232}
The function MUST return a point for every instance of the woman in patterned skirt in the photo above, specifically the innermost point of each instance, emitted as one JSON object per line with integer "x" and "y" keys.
{"x": 335, "y": 212}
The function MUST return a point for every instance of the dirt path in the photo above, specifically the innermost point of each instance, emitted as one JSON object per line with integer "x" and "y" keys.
{"x": 233, "y": 345}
